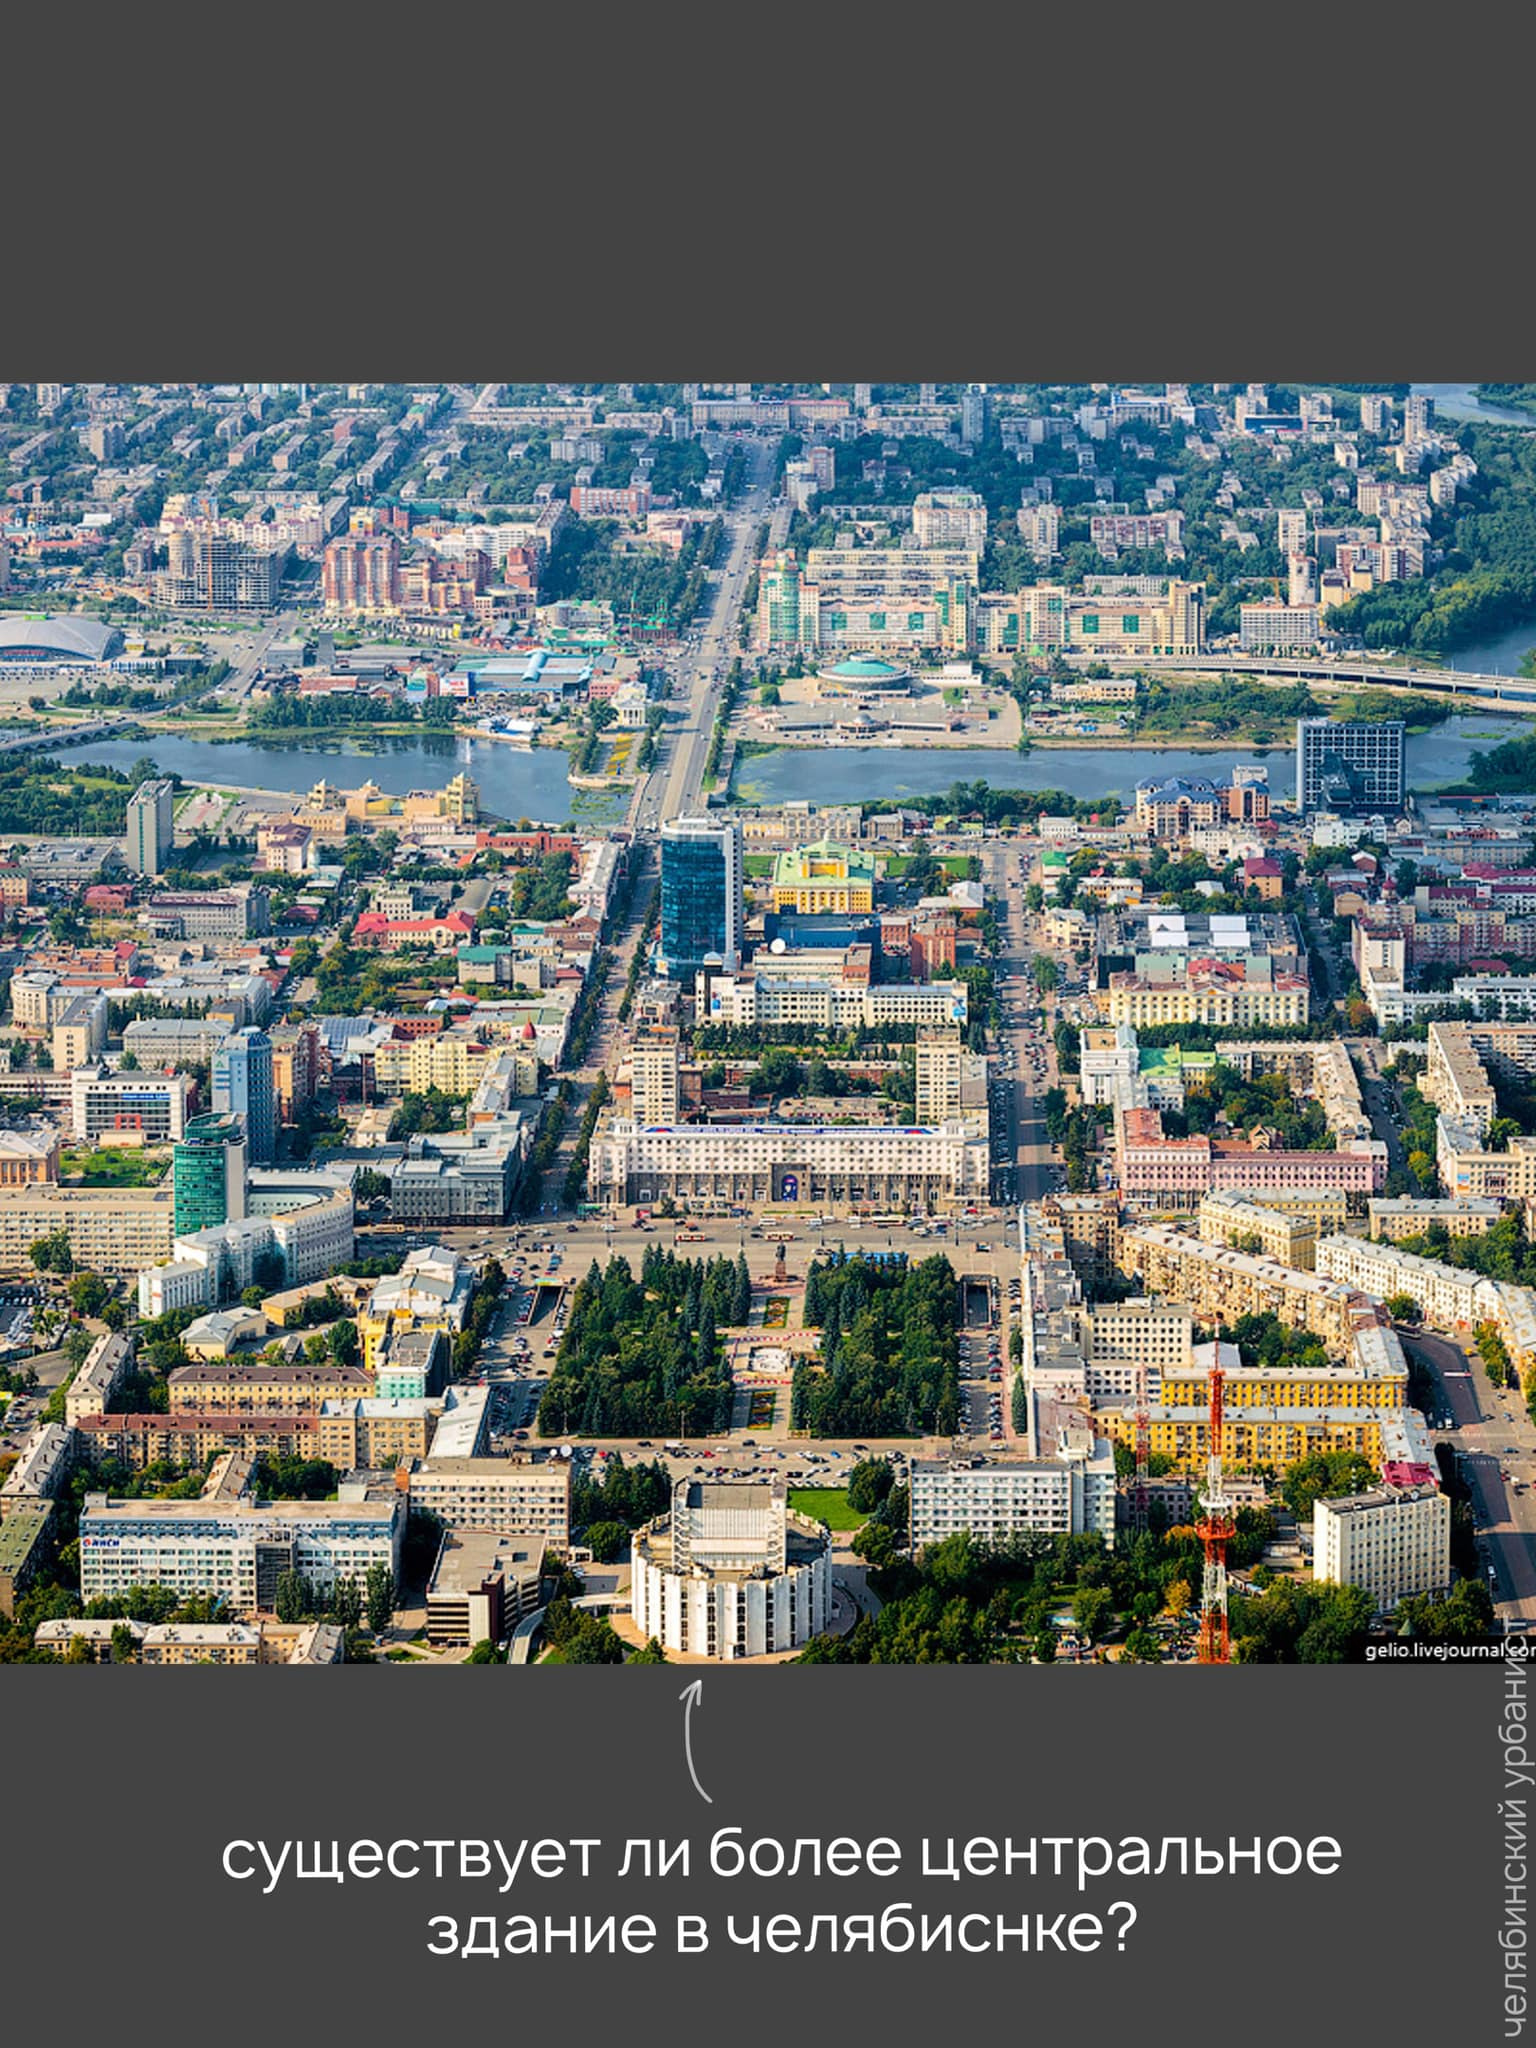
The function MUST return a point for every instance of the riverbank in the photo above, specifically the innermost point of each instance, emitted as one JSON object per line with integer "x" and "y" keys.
{"x": 836, "y": 775}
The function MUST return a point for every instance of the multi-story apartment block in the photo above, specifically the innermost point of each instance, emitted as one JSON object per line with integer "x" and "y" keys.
{"x": 950, "y": 519}
{"x": 263, "y": 1391}
{"x": 1219, "y": 1284}
{"x": 788, "y": 990}
{"x": 361, "y": 573}
{"x": 372, "y": 1434}
{"x": 654, "y": 1062}
{"x": 208, "y": 569}
{"x": 1234, "y": 1219}
{"x": 1470, "y": 1169}
{"x": 1172, "y": 808}
{"x": 117, "y": 1231}
{"x": 1407, "y": 1216}
{"x": 849, "y": 598}
{"x": 1112, "y": 531}
{"x": 1132, "y": 1346}
{"x": 513, "y": 1496}
{"x": 1040, "y": 530}
{"x": 1444, "y": 1294}
{"x": 187, "y": 1439}
{"x": 951, "y": 1082}
{"x": 1072, "y": 1494}
{"x": 151, "y": 831}
{"x": 236, "y": 1549}
{"x": 1270, "y": 627}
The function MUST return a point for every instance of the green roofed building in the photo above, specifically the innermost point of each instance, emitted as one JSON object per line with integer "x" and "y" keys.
{"x": 1167, "y": 1071}
{"x": 824, "y": 879}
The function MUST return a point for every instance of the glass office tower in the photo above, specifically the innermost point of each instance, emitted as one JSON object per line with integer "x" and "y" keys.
{"x": 242, "y": 1087}
{"x": 702, "y": 915}
{"x": 208, "y": 1174}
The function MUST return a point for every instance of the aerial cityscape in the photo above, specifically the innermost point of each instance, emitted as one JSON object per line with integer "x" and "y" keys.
{"x": 677, "y": 1023}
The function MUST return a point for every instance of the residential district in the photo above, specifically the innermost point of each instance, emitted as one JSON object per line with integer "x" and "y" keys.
{"x": 709, "y": 1223}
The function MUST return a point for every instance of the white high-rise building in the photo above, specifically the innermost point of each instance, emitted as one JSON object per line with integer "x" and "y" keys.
{"x": 1394, "y": 1541}
{"x": 150, "y": 832}
{"x": 950, "y": 519}
{"x": 1418, "y": 416}
{"x": 1291, "y": 530}
{"x": 654, "y": 1062}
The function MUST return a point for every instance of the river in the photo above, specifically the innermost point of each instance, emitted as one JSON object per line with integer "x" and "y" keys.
{"x": 836, "y": 775}
{"x": 517, "y": 785}
{"x": 512, "y": 784}
{"x": 1461, "y": 402}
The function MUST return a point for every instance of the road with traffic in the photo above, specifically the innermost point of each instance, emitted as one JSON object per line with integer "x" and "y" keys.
{"x": 1495, "y": 1446}
{"x": 673, "y": 788}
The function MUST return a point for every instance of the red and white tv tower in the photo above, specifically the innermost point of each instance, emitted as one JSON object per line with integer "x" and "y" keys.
{"x": 1214, "y": 1529}
{"x": 1143, "y": 1452}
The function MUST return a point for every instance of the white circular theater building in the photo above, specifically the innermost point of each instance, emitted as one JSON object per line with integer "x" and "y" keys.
{"x": 731, "y": 1572}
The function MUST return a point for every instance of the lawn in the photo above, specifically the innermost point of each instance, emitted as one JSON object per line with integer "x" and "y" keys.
{"x": 955, "y": 865}
{"x": 827, "y": 1504}
{"x": 759, "y": 867}
{"x": 114, "y": 1168}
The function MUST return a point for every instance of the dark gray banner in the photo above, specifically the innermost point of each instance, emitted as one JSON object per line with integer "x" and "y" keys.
{"x": 127, "y": 1788}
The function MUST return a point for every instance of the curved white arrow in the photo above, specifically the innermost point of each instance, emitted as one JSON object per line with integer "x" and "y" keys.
{"x": 692, "y": 1694}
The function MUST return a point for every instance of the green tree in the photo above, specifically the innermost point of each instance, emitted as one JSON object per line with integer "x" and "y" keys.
{"x": 484, "y": 1652}
{"x": 53, "y": 1253}
{"x": 1402, "y": 1308}
{"x": 607, "y": 1541}
{"x": 292, "y": 1597}
{"x": 1092, "y": 1610}
{"x": 653, "y": 1653}
{"x": 88, "y": 1294}
{"x": 379, "y": 1596}
{"x": 868, "y": 1484}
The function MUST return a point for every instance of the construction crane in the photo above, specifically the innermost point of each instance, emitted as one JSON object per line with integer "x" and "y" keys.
{"x": 1214, "y": 1529}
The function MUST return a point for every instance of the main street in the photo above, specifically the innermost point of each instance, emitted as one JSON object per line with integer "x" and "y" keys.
{"x": 673, "y": 788}
{"x": 1493, "y": 1437}
{"x": 670, "y": 789}
{"x": 1022, "y": 1168}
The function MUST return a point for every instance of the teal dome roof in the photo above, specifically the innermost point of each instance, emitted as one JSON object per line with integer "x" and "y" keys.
{"x": 868, "y": 667}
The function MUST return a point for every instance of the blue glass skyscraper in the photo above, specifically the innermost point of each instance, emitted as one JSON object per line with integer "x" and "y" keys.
{"x": 702, "y": 914}
{"x": 242, "y": 1087}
